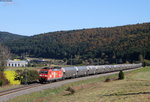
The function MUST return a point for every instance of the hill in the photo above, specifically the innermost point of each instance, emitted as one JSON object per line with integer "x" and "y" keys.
{"x": 6, "y": 37}
{"x": 89, "y": 46}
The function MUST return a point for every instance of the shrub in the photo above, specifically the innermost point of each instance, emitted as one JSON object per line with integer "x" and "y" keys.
{"x": 121, "y": 75}
{"x": 3, "y": 79}
{"x": 27, "y": 76}
{"x": 10, "y": 75}
{"x": 146, "y": 63}
{"x": 71, "y": 90}
{"x": 107, "y": 80}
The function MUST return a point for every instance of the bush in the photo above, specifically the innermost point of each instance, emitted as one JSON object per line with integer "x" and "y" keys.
{"x": 107, "y": 80}
{"x": 10, "y": 75}
{"x": 27, "y": 76}
{"x": 71, "y": 90}
{"x": 146, "y": 63}
{"x": 121, "y": 75}
{"x": 3, "y": 79}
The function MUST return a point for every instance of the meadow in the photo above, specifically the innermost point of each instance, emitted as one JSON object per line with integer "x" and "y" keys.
{"x": 134, "y": 88}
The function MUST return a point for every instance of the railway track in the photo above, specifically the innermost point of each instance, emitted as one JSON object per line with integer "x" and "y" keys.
{"x": 13, "y": 90}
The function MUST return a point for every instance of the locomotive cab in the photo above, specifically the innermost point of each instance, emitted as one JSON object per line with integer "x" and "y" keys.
{"x": 43, "y": 74}
{"x": 48, "y": 74}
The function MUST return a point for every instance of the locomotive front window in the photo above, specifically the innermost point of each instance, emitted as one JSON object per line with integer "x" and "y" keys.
{"x": 56, "y": 69}
{"x": 43, "y": 72}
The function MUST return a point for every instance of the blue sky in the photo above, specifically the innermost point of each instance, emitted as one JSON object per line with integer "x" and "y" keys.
{"x": 30, "y": 17}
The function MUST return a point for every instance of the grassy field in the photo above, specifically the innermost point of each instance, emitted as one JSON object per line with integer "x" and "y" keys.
{"x": 135, "y": 88}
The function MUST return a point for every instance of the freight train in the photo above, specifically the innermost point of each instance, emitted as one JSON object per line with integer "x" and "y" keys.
{"x": 48, "y": 74}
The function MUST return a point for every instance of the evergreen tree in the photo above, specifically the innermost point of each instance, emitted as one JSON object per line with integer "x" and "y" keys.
{"x": 121, "y": 75}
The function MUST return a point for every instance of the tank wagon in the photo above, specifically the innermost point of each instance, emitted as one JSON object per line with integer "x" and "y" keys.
{"x": 56, "y": 73}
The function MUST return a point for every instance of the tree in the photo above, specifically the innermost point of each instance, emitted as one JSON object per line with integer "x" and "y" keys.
{"x": 4, "y": 55}
{"x": 124, "y": 43}
{"x": 141, "y": 58}
{"x": 27, "y": 76}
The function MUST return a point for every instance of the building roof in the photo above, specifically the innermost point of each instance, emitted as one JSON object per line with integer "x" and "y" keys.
{"x": 13, "y": 61}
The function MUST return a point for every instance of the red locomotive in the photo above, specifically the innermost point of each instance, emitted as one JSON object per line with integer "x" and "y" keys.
{"x": 55, "y": 73}
{"x": 50, "y": 74}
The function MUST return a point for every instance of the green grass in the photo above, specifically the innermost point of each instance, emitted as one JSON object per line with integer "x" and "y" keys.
{"x": 140, "y": 74}
{"x": 135, "y": 88}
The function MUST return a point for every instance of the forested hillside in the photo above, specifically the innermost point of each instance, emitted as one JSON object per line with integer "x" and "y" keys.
{"x": 89, "y": 46}
{"x": 6, "y": 37}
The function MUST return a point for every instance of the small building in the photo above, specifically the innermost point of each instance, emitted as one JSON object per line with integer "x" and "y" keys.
{"x": 14, "y": 63}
